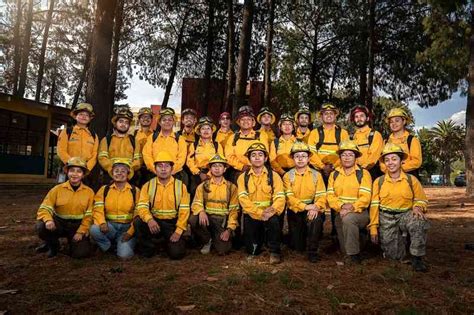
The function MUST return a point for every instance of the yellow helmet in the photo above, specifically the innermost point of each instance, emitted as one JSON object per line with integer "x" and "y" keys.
{"x": 286, "y": 117}
{"x": 122, "y": 113}
{"x": 300, "y": 146}
{"x": 263, "y": 111}
{"x": 164, "y": 156}
{"x": 168, "y": 111}
{"x": 204, "y": 121}
{"x": 122, "y": 161}
{"x": 217, "y": 159}
{"x": 392, "y": 148}
{"x": 398, "y": 112}
{"x": 77, "y": 162}
{"x": 349, "y": 145}
{"x": 257, "y": 146}
{"x": 303, "y": 110}
{"x": 328, "y": 107}
{"x": 145, "y": 111}
{"x": 83, "y": 107}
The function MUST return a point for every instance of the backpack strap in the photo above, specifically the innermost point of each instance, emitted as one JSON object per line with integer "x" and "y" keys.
{"x": 359, "y": 175}
{"x": 236, "y": 138}
{"x": 277, "y": 143}
{"x": 380, "y": 183}
{"x": 409, "y": 141}
{"x": 335, "y": 175}
{"x": 292, "y": 175}
{"x": 134, "y": 194}
{"x": 132, "y": 141}
{"x": 69, "y": 132}
{"x": 370, "y": 138}
{"x": 338, "y": 134}
{"x": 156, "y": 133}
{"x": 321, "y": 138}
{"x": 178, "y": 189}
{"x": 152, "y": 191}
{"x": 205, "y": 193}
{"x": 257, "y": 135}
{"x": 229, "y": 193}
{"x": 246, "y": 180}
{"x": 106, "y": 192}
{"x": 314, "y": 174}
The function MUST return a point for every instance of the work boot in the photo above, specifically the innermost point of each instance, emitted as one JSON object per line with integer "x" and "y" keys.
{"x": 275, "y": 259}
{"x": 418, "y": 264}
{"x": 43, "y": 248}
{"x": 53, "y": 249}
{"x": 313, "y": 257}
{"x": 356, "y": 259}
{"x": 206, "y": 249}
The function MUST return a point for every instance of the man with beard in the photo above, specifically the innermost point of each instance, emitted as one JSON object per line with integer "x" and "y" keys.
{"x": 145, "y": 118}
{"x": 369, "y": 141}
{"x": 188, "y": 119}
{"x": 119, "y": 144}
{"x": 303, "y": 121}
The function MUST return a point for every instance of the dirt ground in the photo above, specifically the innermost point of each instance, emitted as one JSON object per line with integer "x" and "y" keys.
{"x": 230, "y": 284}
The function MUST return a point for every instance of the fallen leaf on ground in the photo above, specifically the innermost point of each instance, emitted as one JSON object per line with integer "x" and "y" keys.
{"x": 349, "y": 305}
{"x": 330, "y": 287}
{"x": 211, "y": 279}
{"x": 339, "y": 263}
{"x": 185, "y": 308}
{"x": 8, "y": 292}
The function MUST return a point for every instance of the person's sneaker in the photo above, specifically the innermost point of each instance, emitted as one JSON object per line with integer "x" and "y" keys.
{"x": 275, "y": 259}
{"x": 356, "y": 259}
{"x": 53, "y": 251}
{"x": 43, "y": 248}
{"x": 418, "y": 264}
{"x": 206, "y": 249}
{"x": 313, "y": 258}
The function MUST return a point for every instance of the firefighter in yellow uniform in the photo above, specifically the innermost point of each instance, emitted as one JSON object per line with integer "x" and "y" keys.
{"x": 349, "y": 192}
{"x": 398, "y": 210}
{"x": 306, "y": 200}
{"x": 237, "y": 145}
{"x": 66, "y": 211}
{"x": 215, "y": 209}
{"x": 114, "y": 206}
{"x": 162, "y": 211}
{"x": 165, "y": 140}
{"x": 145, "y": 119}
{"x": 266, "y": 119}
{"x": 79, "y": 141}
{"x": 398, "y": 119}
{"x": 262, "y": 200}
{"x": 119, "y": 144}
{"x": 368, "y": 140}
{"x": 225, "y": 130}
{"x": 280, "y": 148}
{"x": 303, "y": 121}
{"x": 188, "y": 120}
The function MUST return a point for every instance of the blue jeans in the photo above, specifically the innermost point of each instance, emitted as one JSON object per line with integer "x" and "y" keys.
{"x": 116, "y": 231}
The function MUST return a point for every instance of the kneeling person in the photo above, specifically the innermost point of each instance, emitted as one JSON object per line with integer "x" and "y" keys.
{"x": 163, "y": 210}
{"x": 215, "y": 209}
{"x": 66, "y": 211}
{"x": 306, "y": 198}
{"x": 114, "y": 206}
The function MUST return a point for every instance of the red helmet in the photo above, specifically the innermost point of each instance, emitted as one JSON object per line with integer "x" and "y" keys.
{"x": 363, "y": 109}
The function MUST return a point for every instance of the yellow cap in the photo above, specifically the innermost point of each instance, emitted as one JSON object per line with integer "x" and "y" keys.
{"x": 122, "y": 113}
{"x": 398, "y": 112}
{"x": 263, "y": 111}
{"x": 303, "y": 110}
{"x": 168, "y": 111}
{"x": 349, "y": 145}
{"x": 257, "y": 146}
{"x": 392, "y": 148}
{"x": 77, "y": 162}
{"x": 83, "y": 107}
{"x": 204, "y": 121}
{"x": 286, "y": 117}
{"x": 164, "y": 156}
{"x": 300, "y": 146}
{"x": 122, "y": 161}
{"x": 144, "y": 111}
{"x": 326, "y": 107}
{"x": 217, "y": 159}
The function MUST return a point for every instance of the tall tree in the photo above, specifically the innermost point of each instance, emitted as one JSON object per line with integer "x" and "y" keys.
{"x": 115, "y": 54}
{"x": 469, "y": 142}
{"x": 210, "y": 48}
{"x": 268, "y": 55}
{"x": 229, "y": 100}
{"x": 17, "y": 45}
{"x": 371, "y": 55}
{"x": 44, "y": 45}
{"x": 25, "y": 50}
{"x": 85, "y": 68}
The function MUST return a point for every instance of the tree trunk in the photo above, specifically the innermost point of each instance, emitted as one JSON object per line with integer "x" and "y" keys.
{"x": 25, "y": 51}
{"x": 268, "y": 56}
{"x": 210, "y": 48}
{"x": 98, "y": 78}
{"x": 447, "y": 174}
{"x": 314, "y": 70}
{"x": 230, "y": 57}
{"x": 115, "y": 54}
{"x": 53, "y": 90}
{"x": 334, "y": 75}
{"x": 44, "y": 45}
{"x": 174, "y": 66}
{"x": 469, "y": 151}
{"x": 371, "y": 44}
{"x": 244, "y": 55}
{"x": 85, "y": 68}
{"x": 17, "y": 49}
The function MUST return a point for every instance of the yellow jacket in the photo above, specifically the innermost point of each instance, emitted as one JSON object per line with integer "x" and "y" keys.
{"x": 189, "y": 137}
{"x": 140, "y": 138}
{"x": 269, "y": 133}
{"x": 165, "y": 143}
{"x": 119, "y": 147}
{"x": 221, "y": 136}
{"x": 168, "y": 202}
{"x": 395, "y": 196}
{"x": 119, "y": 205}
{"x": 80, "y": 144}
{"x": 62, "y": 201}
{"x": 346, "y": 189}
{"x": 302, "y": 189}
{"x": 370, "y": 154}
{"x": 199, "y": 158}
{"x": 327, "y": 152}
{"x": 304, "y": 137}
{"x": 235, "y": 154}
{"x": 281, "y": 159}
{"x": 414, "y": 160}
{"x": 259, "y": 195}
{"x": 221, "y": 200}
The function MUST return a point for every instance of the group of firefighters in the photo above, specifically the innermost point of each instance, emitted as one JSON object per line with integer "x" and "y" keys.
{"x": 220, "y": 189}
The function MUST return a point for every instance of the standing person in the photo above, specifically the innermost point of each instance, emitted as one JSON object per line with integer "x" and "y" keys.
{"x": 262, "y": 199}
{"x": 349, "y": 192}
{"x": 215, "y": 209}
{"x": 119, "y": 144}
{"x": 225, "y": 130}
{"x": 266, "y": 119}
{"x": 303, "y": 121}
{"x": 162, "y": 211}
{"x": 398, "y": 210}
{"x": 188, "y": 119}
{"x": 306, "y": 199}
{"x": 66, "y": 211}
{"x": 368, "y": 140}
{"x": 280, "y": 148}
{"x": 145, "y": 119}
{"x": 114, "y": 205}
{"x": 398, "y": 119}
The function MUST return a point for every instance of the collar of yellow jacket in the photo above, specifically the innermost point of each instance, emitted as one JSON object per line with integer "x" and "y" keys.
{"x": 298, "y": 130}
{"x": 364, "y": 129}
{"x": 251, "y": 134}
{"x": 291, "y": 139}
{"x": 342, "y": 172}
{"x": 269, "y": 131}
{"x": 225, "y": 132}
{"x": 213, "y": 181}
{"x": 264, "y": 171}
{"x": 405, "y": 135}
{"x": 403, "y": 176}
{"x": 149, "y": 132}
{"x": 127, "y": 186}
{"x": 68, "y": 185}
{"x": 202, "y": 143}
{"x": 76, "y": 127}
{"x": 170, "y": 182}
{"x": 172, "y": 135}
{"x": 306, "y": 171}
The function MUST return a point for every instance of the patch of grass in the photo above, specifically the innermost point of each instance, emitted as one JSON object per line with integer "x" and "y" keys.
{"x": 259, "y": 277}
{"x": 232, "y": 280}
{"x": 213, "y": 271}
{"x": 291, "y": 283}
{"x": 171, "y": 277}
{"x": 397, "y": 275}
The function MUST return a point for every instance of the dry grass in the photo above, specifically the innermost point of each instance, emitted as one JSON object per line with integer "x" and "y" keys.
{"x": 232, "y": 285}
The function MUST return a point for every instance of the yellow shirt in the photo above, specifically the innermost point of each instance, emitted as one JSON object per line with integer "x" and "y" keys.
{"x": 259, "y": 195}
{"x": 235, "y": 153}
{"x": 304, "y": 137}
{"x": 199, "y": 158}
{"x": 281, "y": 158}
{"x": 119, "y": 147}
{"x": 269, "y": 133}
{"x": 414, "y": 160}
{"x": 346, "y": 189}
{"x": 395, "y": 196}
{"x": 165, "y": 205}
{"x": 220, "y": 201}
{"x": 119, "y": 205}
{"x": 62, "y": 201}
{"x": 327, "y": 153}
{"x": 370, "y": 154}
{"x": 80, "y": 144}
{"x": 189, "y": 137}
{"x": 301, "y": 190}
{"x": 177, "y": 149}
{"x": 140, "y": 138}
{"x": 222, "y": 136}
